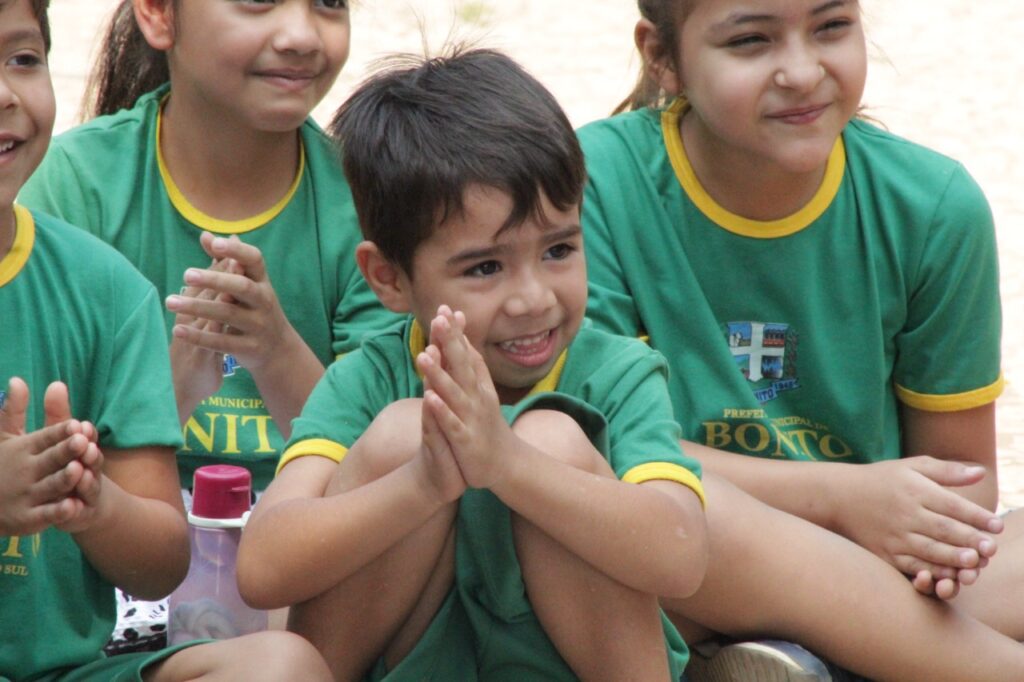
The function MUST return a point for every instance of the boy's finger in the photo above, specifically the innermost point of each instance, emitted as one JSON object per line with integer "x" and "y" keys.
{"x": 56, "y": 403}
{"x": 60, "y": 483}
{"x": 15, "y": 407}
{"x": 247, "y": 256}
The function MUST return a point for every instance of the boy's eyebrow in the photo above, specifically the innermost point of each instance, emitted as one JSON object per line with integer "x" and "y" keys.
{"x": 738, "y": 18}
{"x": 22, "y": 35}
{"x": 488, "y": 252}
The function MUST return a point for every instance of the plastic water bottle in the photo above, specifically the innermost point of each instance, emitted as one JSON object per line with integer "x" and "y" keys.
{"x": 207, "y": 604}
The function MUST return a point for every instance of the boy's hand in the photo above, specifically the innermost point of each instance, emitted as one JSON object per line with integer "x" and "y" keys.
{"x": 436, "y": 460}
{"x": 198, "y": 372}
{"x": 42, "y": 468}
{"x": 250, "y": 323}
{"x": 464, "y": 402}
{"x": 905, "y": 513}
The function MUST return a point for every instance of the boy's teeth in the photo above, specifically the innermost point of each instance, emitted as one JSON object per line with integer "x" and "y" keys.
{"x": 6, "y": 146}
{"x": 524, "y": 341}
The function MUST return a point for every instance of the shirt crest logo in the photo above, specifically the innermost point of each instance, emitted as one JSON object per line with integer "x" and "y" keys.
{"x": 765, "y": 353}
{"x": 229, "y": 365}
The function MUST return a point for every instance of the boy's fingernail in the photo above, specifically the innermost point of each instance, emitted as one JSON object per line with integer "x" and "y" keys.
{"x": 192, "y": 275}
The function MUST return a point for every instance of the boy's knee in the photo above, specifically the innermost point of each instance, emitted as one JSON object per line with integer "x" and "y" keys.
{"x": 561, "y": 437}
{"x": 392, "y": 439}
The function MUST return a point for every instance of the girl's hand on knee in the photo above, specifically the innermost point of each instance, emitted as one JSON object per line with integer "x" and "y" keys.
{"x": 906, "y": 513}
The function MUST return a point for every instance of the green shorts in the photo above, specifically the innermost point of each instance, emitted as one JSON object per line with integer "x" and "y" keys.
{"x": 486, "y": 628}
{"x": 120, "y": 668}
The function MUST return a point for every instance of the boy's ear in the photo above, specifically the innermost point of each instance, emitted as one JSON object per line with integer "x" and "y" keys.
{"x": 156, "y": 21}
{"x": 658, "y": 59}
{"x": 387, "y": 280}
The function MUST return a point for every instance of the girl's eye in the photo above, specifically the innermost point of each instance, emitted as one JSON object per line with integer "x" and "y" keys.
{"x": 485, "y": 269}
{"x": 746, "y": 41}
{"x": 835, "y": 26}
{"x": 333, "y": 4}
{"x": 560, "y": 251}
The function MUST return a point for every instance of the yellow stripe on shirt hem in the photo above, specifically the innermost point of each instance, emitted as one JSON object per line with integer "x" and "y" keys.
{"x": 954, "y": 402}
{"x": 319, "y": 447}
{"x": 666, "y": 471}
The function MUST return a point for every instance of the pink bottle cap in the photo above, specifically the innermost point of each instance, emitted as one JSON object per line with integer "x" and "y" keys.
{"x": 221, "y": 491}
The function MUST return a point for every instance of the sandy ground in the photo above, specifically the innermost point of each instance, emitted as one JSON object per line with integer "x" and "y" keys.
{"x": 944, "y": 73}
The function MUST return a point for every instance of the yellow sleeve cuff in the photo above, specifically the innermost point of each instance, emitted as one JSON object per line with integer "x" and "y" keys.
{"x": 665, "y": 471}
{"x": 319, "y": 447}
{"x": 954, "y": 402}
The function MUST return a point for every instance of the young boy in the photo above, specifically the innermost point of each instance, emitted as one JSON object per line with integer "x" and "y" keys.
{"x": 86, "y": 505}
{"x": 466, "y": 487}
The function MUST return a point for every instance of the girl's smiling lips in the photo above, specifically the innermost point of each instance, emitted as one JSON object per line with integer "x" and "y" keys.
{"x": 807, "y": 114}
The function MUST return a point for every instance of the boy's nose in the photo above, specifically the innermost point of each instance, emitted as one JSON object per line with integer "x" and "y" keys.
{"x": 531, "y": 297}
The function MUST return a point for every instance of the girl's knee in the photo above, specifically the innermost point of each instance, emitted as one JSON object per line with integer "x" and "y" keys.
{"x": 561, "y": 437}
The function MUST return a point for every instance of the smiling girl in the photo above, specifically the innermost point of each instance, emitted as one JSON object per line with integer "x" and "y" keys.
{"x": 203, "y": 152}
{"x": 826, "y": 294}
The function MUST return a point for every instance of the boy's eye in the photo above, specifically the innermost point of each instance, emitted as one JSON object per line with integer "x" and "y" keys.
{"x": 25, "y": 59}
{"x": 333, "y": 4}
{"x": 560, "y": 251}
{"x": 485, "y": 269}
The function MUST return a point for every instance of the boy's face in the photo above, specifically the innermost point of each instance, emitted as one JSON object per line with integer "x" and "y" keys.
{"x": 523, "y": 291}
{"x": 26, "y": 98}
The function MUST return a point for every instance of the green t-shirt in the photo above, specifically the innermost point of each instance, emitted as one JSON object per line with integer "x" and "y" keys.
{"x": 797, "y": 338}
{"x": 74, "y": 310}
{"x": 107, "y": 176}
{"x": 613, "y": 386}
{"x": 621, "y": 379}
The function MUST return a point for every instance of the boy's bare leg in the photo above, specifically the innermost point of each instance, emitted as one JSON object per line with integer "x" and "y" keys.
{"x": 997, "y": 597}
{"x": 271, "y": 655}
{"x": 603, "y": 629}
{"x": 773, "y": 574}
{"x": 385, "y": 607}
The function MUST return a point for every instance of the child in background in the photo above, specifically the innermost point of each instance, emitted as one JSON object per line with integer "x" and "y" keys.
{"x": 824, "y": 292}
{"x": 86, "y": 505}
{"x": 210, "y": 156}
{"x": 467, "y": 485}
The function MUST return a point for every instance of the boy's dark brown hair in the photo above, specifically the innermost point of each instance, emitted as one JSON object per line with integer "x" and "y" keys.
{"x": 417, "y": 135}
{"x": 40, "y": 10}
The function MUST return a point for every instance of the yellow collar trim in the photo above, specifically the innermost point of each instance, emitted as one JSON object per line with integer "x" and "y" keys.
{"x": 208, "y": 222}
{"x": 24, "y": 238}
{"x": 418, "y": 343}
{"x": 737, "y": 224}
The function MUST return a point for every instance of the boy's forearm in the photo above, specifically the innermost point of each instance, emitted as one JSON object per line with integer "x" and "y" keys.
{"x": 338, "y": 534}
{"x": 640, "y": 535}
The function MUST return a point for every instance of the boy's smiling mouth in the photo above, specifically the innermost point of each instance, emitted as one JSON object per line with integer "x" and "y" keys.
{"x": 532, "y": 350}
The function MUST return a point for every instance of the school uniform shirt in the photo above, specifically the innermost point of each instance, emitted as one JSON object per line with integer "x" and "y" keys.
{"x": 615, "y": 389}
{"x": 74, "y": 310}
{"x": 797, "y": 338}
{"x": 108, "y": 176}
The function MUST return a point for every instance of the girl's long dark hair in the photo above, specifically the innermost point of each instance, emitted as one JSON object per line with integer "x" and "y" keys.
{"x": 126, "y": 69}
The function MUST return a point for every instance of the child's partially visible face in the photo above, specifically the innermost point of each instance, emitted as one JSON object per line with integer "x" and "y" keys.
{"x": 523, "y": 291}
{"x": 267, "y": 64}
{"x": 773, "y": 80}
{"x": 27, "y": 104}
